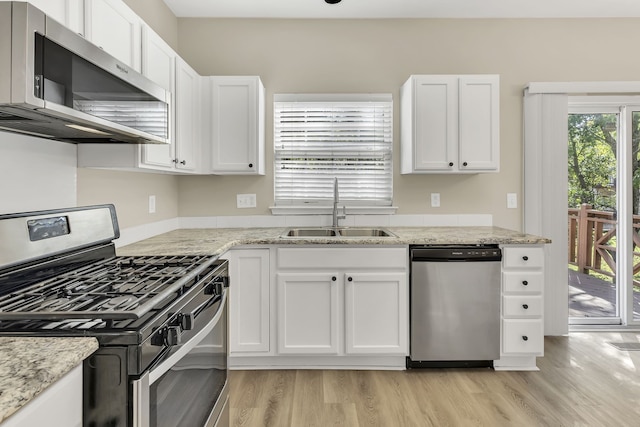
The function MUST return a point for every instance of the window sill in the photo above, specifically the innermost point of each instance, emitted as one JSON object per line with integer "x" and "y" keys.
{"x": 327, "y": 210}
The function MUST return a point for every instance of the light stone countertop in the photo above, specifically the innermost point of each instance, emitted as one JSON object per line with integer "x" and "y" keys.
{"x": 29, "y": 365}
{"x": 216, "y": 241}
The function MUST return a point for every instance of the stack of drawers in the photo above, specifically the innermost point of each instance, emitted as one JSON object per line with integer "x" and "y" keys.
{"x": 522, "y": 301}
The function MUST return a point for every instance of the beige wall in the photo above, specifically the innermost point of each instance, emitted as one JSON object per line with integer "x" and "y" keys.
{"x": 130, "y": 192}
{"x": 159, "y": 17}
{"x": 378, "y": 56}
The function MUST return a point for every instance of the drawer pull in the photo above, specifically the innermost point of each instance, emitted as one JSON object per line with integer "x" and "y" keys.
{"x": 525, "y": 283}
{"x": 525, "y": 258}
{"x": 350, "y": 279}
{"x": 525, "y": 306}
{"x": 333, "y": 279}
{"x": 525, "y": 338}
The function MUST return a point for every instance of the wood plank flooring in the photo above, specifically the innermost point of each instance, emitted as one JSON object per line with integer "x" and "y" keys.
{"x": 583, "y": 381}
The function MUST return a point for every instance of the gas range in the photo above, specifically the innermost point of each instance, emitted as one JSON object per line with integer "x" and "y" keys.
{"x": 60, "y": 276}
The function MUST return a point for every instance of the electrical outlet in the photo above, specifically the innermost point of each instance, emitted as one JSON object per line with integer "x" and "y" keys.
{"x": 512, "y": 200}
{"x": 152, "y": 204}
{"x": 435, "y": 200}
{"x": 245, "y": 201}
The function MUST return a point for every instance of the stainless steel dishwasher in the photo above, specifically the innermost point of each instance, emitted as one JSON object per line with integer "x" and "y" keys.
{"x": 455, "y": 306}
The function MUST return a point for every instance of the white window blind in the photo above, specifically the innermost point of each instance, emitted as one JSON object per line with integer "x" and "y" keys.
{"x": 320, "y": 137}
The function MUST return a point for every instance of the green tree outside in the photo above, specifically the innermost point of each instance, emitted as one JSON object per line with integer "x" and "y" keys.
{"x": 592, "y": 160}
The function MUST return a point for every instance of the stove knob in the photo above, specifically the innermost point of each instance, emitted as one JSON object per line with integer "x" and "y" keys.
{"x": 173, "y": 336}
{"x": 158, "y": 338}
{"x": 186, "y": 321}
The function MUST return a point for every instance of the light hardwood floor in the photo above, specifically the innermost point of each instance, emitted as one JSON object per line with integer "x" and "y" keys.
{"x": 583, "y": 381}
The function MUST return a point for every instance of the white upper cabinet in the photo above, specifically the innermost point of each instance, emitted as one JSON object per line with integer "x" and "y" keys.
{"x": 450, "y": 124}
{"x": 163, "y": 66}
{"x": 70, "y": 13}
{"x": 114, "y": 27}
{"x": 159, "y": 65}
{"x": 237, "y": 125}
{"x": 188, "y": 104}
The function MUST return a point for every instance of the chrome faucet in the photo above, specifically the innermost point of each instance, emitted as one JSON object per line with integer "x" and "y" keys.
{"x": 337, "y": 217}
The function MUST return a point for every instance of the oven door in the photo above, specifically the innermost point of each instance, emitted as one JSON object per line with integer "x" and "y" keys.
{"x": 189, "y": 386}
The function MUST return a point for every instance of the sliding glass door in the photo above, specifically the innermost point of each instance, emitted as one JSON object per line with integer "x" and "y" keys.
{"x": 604, "y": 211}
{"x": 592, "y": 216}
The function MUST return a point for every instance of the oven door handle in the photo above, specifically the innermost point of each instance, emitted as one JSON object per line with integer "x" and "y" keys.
{"x": 163, "y": 367}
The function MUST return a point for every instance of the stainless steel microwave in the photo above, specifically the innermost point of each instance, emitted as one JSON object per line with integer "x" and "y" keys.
{"x": 57, "y": 85}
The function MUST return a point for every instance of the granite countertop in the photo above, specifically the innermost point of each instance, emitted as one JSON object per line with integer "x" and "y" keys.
{"x": 29, "y": 365}
{"x": 216, "y": 241}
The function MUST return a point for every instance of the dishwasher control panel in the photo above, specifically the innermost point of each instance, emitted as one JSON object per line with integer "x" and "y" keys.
{"x": 455, "y": 253}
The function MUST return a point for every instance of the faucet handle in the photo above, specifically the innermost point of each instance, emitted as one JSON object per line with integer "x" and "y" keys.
{"x": 344, "y": 213}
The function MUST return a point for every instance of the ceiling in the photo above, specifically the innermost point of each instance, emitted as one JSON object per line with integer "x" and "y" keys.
{"x": 405, "y": 8}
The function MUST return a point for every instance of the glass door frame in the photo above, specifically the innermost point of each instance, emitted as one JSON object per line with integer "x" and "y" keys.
{"x": 624, "y": 107}
{"x": 625, "y": 204}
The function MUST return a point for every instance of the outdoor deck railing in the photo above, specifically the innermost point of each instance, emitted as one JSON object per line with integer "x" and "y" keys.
{"x": 592, "y": 241}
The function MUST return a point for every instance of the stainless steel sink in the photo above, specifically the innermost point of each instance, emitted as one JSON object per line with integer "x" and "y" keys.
{"x": 337, "y": 232}
{"x": 310, "y": 232}
{"x": 365, "y": 232}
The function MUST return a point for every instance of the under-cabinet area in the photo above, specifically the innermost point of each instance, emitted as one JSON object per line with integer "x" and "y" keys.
{"x": 318, "y": 306}
{"x": 340, "y": 306}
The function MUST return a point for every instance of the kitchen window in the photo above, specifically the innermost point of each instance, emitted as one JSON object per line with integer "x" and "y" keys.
{"x": 321, "y": 137}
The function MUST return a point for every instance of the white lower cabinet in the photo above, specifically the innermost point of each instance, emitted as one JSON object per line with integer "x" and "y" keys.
{"x": 331, "y": 306}
{"x": 344, "y": 301}
{"x": 60, "y": 405}
{"x": 294, "y": 306}
{"x": 522, "y": 336}
{"x": 249, "y": 301}
{"x": 308, "y": 313}
{"x": 522, "y": 307}
{"x": 375, "y": 313}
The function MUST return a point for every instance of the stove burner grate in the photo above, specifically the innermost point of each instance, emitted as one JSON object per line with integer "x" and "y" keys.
{"x": 115, "y": 288}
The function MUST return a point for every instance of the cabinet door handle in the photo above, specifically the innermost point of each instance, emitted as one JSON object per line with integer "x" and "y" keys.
{"x": 450, "y": 163}
{"x": 525, "y": 283}
{"x": 464, "y": 164}
{"x": 333, "y": 279}
{"x": 184, "y": 162}
{"x": 525, "y": 306}
{"x": 525, "y": 258}
{"x": 350, "y": 279}
{"x": 525, "y": 338}
{"x": 250, "y": 165}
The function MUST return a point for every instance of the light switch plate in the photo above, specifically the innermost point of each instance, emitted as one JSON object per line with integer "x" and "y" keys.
{"x": 245, "y": 201}
{"x": 512, "y": 200}
{"x": 435, "y": 200}
{"x": 152, "y": 204}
